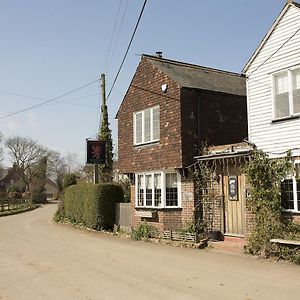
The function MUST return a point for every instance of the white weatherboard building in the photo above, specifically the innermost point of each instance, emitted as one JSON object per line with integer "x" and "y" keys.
{"x": 273, "y": 95}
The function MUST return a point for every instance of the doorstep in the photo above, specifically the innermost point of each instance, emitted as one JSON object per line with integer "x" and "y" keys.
{"x": 230, "y": 245}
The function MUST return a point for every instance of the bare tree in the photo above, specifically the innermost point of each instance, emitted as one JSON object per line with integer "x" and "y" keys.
{"x": 25, "y": 153}
{"x": 1, "y": 148}
{"x": 1, "y": 156}
{"x": 57, "y": 168}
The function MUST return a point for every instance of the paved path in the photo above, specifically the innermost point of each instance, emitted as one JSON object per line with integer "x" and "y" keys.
{"x": 42, "y": 260}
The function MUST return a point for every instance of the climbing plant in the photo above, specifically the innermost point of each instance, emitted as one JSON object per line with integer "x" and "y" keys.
{"x": 204, "y": 175}
{"x": 265, "y": 176}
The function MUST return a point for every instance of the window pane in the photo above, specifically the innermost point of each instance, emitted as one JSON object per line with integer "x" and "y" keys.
{"x": 147, "y": 126}
{"x": 281, "y": 96}
{"x": 138, "y": 128}
{"x": 140, "y": 191}
{"x": 171, "y": 190}
{"x": 156, "y": 125}
{"x": 149, "y": 187}
{"x": 296, "y": 90}
{"x": 298, "y": 194}
{"x": 157, "y": 189}
{"x": 287, "y": 196}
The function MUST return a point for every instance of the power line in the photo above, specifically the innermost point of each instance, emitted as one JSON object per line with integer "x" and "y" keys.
{"x": 48, "y": 101}
{"x": 68, "y": 102}
{"x": 118, "y": 35}
{"x": 113, "y": 34}
{"x": 130, "y": 42}
{"x": 275, "y": 52}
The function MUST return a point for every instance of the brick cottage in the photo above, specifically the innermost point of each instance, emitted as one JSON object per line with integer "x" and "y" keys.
{"x": 172, "y": 109}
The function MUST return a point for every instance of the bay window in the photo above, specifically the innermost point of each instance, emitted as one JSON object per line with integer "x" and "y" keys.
{"x": 146, "y": 126}
{"x": 158, "y": 189}
{"x": 286, "y": 93}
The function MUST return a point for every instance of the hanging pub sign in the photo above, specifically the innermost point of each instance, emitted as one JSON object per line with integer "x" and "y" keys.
{"x": 95, "y": 152}
{"x": 233, "y": 188}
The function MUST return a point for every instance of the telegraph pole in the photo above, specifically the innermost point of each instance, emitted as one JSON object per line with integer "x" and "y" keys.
{"x": 96, "y": 171}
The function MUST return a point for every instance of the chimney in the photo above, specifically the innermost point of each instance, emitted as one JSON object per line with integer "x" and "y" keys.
{"x": 158, "y": 54}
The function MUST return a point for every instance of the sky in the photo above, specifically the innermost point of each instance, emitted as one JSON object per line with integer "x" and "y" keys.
{"x": 51, "y": 47}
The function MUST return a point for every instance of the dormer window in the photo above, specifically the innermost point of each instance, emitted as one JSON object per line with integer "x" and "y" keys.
{"x": 286, "y": 93}
{"x": 146, "y": 126}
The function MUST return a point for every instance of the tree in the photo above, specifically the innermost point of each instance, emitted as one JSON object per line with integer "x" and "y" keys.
{"x": 25, "y": 153}
{"x": 1, "y": 156}
{"x": 106, "y": 169}
{"x": 57, "y": 168}
{"x": 1, "y": 149}
{"x": 37, "y": 187}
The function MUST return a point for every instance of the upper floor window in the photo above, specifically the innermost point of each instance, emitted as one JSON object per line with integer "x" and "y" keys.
{"x": 146, "y": 126}
{"x": 286, "y": 93}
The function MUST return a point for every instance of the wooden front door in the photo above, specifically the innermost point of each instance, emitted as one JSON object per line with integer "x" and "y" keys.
{"x": 234, "y": 196}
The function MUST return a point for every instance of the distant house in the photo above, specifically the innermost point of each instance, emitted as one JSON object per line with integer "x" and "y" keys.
{"x": 172, "y": 109}
{"x": 51, "y": 189}
{"x": 10, "y": 178}
{"x": 273, "y": 97}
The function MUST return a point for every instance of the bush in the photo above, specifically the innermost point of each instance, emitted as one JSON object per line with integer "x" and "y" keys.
{"x": 37, "y": 196}
{"x": 92, "y": 205}
{"x": 17, "y": 187}
{"x": 70, "y": 179}
{"x": 60, "y": 213}
{"x": 144, "y": 231}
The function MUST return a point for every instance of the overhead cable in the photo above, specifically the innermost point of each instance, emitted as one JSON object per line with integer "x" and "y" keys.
{"x": 48, "y": 101}
{"x": 130, "y": 42}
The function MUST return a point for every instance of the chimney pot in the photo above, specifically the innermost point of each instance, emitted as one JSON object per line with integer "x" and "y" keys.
{"x": 158, "y": 54}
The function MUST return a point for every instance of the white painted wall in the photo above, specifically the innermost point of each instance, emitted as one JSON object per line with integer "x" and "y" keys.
{"x": 284, "y": 135}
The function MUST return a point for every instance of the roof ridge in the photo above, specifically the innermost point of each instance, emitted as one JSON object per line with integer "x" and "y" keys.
{"x": 176, "y": 62}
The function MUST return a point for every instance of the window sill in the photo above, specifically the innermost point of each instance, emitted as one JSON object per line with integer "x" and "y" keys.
{"x": 289, "y": 211}
{"x": 285, "y": 119}
{"x": 158, "y": 208}
{"x": 146, "y": 144}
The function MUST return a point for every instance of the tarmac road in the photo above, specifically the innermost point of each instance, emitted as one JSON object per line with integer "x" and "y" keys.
{"x": 43, "y": 260}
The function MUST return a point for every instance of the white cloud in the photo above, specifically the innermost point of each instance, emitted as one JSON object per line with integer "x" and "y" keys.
{"x": 32, "y": 120}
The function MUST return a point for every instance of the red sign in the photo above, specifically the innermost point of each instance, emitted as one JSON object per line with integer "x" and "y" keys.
{"x": 95, "y": 152}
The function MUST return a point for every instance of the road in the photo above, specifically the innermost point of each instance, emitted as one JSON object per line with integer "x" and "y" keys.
{"x": 40, "y": 259}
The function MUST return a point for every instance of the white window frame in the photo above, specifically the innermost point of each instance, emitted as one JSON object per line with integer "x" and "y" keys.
{"x": 163, "y": 189}
{"x": 290, "y": 92}
{"x": 293, "y": 177}
{"x": 152, "y": 140}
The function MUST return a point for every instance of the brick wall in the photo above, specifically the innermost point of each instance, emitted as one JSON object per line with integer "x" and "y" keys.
{"x": 214, "y": 118}
{"x": 145, "y": 92}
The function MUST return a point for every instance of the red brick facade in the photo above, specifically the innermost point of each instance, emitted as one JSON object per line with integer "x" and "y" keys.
{"x": 188, "y": 118}
{"x": 144, "y": 92}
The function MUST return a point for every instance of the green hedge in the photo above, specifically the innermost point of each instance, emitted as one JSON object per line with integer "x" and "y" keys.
{"x": 93, "y": 205}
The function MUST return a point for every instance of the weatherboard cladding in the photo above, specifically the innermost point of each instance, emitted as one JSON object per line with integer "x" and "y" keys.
{"x": 199, "y": 77}
{"x": 280, "y": 136}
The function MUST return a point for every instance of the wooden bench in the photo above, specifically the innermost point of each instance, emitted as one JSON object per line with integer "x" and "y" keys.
{"x": 294, "y": 245}
{"x": 286, "y": 242}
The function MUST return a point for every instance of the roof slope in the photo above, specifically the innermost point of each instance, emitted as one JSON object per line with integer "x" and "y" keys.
{"x": 266, "y": 37}
{"x": 199, "y": 77}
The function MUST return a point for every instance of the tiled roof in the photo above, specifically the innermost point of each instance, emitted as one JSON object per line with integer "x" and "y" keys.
{"x": 199, "y": 77}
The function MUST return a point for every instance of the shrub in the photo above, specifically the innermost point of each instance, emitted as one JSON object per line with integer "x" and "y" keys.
{"x": 60, "y": 213}
{"x": 144, "y": 231}
{"x": 38, "y": 196}
{"x": 17, "y": 187}
{"x": 70, "y": 179}
{"x": 93, "y": 205}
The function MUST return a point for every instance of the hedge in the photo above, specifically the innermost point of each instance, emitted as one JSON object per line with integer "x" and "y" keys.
{"x": 92, "y": 204}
